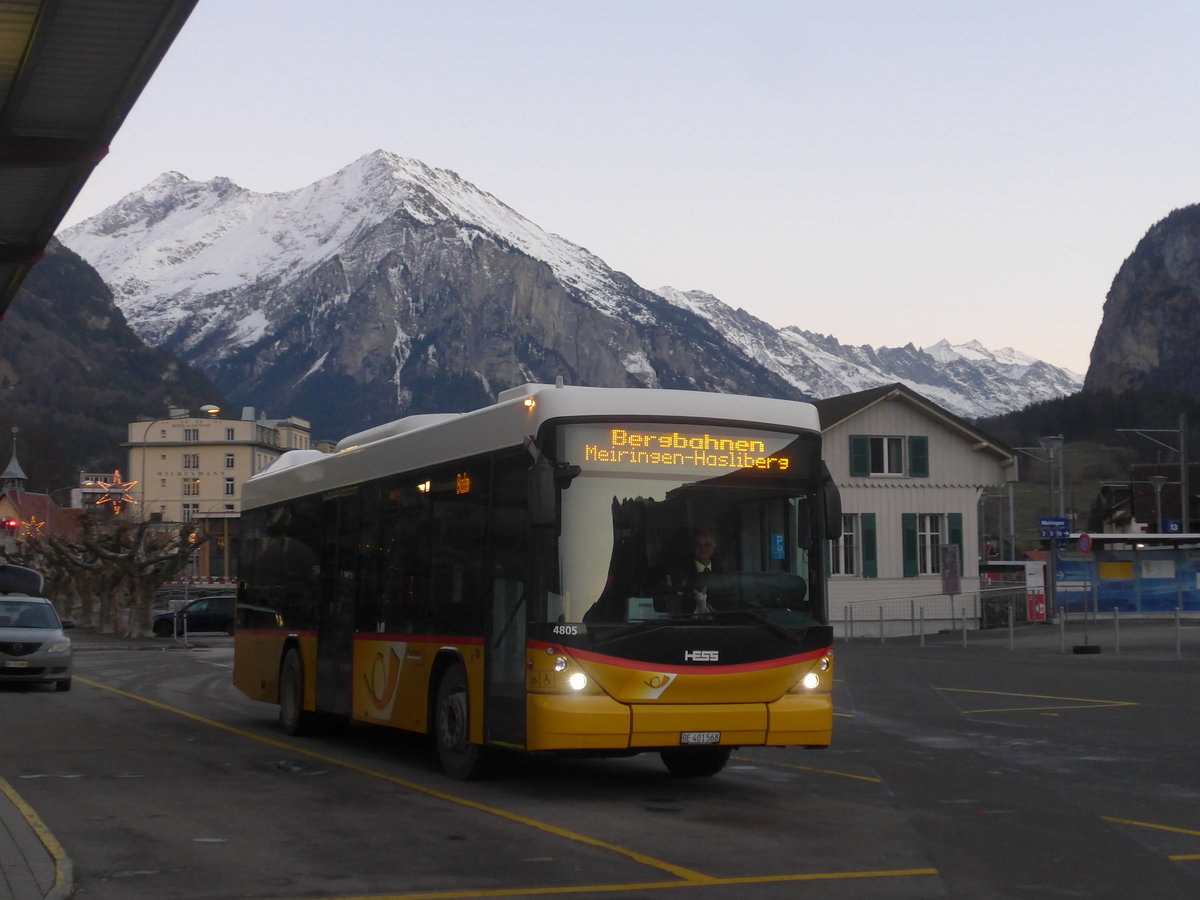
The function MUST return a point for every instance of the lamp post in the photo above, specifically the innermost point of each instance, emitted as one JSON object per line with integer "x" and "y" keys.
{"x": 208, "y": 409}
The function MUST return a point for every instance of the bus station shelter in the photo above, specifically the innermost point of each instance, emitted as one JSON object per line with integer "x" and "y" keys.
{"x": 1129, "y": 573}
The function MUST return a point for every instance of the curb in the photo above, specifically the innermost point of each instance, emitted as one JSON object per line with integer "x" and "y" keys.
{"x": 42, "y": 854}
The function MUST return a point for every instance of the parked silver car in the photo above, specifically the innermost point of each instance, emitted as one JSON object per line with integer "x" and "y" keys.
{"x": 33, "y": 646}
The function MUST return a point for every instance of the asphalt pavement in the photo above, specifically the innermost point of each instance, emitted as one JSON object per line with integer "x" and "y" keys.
{"x": 33, "y": 866}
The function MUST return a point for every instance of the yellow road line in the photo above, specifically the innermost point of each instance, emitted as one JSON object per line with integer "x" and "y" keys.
{"x": 781, "y": 765}
{"x": 1065, "y": 702}
{"x": 678, "y": 871}
{"x": 62, "y": 864}
{"x": 647, "y": 886}
{"x": 1171, "y": 828}
{"x": 689, "y": 877}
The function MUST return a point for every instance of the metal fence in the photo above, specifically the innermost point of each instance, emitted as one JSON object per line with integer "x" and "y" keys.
{"x": 932, "y": 613}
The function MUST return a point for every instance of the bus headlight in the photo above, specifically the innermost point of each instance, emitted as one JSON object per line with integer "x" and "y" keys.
{"x": 826, "y": 662}
{"x": 577, "y": 681}
{"x": 560, "y": 664}
{"x": 811, "y": 680}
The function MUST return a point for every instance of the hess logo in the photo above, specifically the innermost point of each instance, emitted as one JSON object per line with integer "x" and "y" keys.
{"x": 701, "y": 655}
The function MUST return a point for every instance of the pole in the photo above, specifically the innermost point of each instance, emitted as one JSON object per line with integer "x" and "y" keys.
{"x": 1011, "y": 629}
{"x": 922, "y": 626}
{"x": 881, "y": 623}
{"x": 1061, "y": 492}
{"x": 1178, "y": 633}
{"x": 1012, "y": 524}
{"x": 1185, "y": 511}
{"x": 1062, "y": 631}
{"x": 1117, "y": 628}
{"x": 964, "y": 624}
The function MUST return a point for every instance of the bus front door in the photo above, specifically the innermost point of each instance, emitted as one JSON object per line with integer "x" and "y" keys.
{"x": 505, "y": 706}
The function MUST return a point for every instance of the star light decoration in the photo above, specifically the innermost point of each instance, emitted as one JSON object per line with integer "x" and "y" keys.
{"x": 118, "y": 493}
{"x": 34, "y": 528}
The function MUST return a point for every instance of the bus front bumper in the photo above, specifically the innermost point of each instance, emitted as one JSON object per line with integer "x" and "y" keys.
{"x": 597, "y": 722}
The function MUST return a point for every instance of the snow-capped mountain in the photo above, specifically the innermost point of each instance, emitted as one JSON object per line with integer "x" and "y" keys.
{"x": 391, "y": 287}
{"x": 968, "y": 379}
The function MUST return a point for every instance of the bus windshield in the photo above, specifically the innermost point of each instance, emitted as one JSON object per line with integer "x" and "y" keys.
{"x": 681, "y": 524}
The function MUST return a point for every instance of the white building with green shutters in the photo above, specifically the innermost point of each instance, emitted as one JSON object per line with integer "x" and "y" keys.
{"x": 911, "y": 476}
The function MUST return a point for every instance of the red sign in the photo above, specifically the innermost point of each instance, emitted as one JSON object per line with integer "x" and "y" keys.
{"x": 1085, "y": 543}
{"x": 1036, "y": 609}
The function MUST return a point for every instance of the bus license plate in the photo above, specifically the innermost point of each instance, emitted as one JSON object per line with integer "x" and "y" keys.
{"x": 700, "y": 737}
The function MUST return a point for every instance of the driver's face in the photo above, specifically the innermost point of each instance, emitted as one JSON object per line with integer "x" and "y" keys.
{"x": 704, "y": 547}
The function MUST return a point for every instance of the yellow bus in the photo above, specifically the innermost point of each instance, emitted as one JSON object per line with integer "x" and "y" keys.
{"x": 522, "y": 577}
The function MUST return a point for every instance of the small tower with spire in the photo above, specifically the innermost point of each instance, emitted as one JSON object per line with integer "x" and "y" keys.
{"x": 13, "y": 478}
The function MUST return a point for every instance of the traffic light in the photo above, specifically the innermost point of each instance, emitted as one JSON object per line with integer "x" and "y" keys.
{"x": 11, "y": 526}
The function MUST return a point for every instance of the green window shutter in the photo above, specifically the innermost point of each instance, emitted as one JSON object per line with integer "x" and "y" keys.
{"x": 860, "y": 455}
{"x": 954, "y": 523}
{"x": 908, "y": 527}
{"x": 870, "y": 559}
{"x": 918, "y": 456}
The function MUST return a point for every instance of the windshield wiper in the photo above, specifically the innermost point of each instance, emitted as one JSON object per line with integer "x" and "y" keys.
{"x": 645, "y": 626}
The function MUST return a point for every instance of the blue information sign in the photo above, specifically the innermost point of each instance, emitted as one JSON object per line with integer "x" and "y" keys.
{"x": 1054, "y": 528}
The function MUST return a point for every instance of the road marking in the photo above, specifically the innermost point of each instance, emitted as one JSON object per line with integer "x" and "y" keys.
{"x": 688, "y": 877}
{"x": 779, "y": 765}
{"x": 1172, "y": 828}
{"x": 63, "y": 870}
{"x": 1065, "y": 702}
{"x": 647, "y": 886}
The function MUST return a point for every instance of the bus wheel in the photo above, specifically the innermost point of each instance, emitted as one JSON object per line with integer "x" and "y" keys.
{"x": 452, "y": 727}
{"x": 293, "y": 718}
{"x": 698, "y": 763}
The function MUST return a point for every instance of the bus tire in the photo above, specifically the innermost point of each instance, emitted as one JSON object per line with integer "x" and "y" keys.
{"x": 294, "y": 719}
{"x": 452, "y": 727}
{"x": 698, "y": 763}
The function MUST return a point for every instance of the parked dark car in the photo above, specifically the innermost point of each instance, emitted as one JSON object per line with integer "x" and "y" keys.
{"x": 205, "y": 614}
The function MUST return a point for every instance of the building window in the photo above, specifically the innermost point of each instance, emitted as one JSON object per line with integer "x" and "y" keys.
{"x": 924, "y": 534}
{"x": 889, "y": 455}
{"x": 191, "y": 434}
{"x": 229, "y": 434}
{"x": 228, "y": 507}
{"x": 844, "y": 558}
{"x": 191, "y": 460}
{"x": 229, "y": 490}
{"x": 229, "y": 461}
{"x": 854, "y": 553}
{"x": 191, "y": 488}
{"x": 190, "y": 511}
{"x": 929, "y": 539}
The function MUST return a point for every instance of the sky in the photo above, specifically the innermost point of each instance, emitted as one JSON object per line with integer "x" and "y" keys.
{"x": 881, "y": 172}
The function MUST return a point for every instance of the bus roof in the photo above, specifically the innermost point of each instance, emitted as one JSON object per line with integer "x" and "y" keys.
{"x": 416, "y": 442}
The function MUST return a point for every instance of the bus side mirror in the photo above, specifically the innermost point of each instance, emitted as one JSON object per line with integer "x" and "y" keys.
{"x": 543, "y": 495}
{"x": 831, "y": 500}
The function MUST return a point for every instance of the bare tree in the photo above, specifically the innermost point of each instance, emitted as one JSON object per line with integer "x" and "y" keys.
{"x": 106, "y": 577}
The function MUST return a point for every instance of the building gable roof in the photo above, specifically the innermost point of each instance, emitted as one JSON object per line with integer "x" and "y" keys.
{"x": 40, "y": 512}
{"x": 836, "y": 410}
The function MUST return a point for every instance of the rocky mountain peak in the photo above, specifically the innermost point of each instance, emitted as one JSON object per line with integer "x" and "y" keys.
{"x": 1151, "y": 322}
